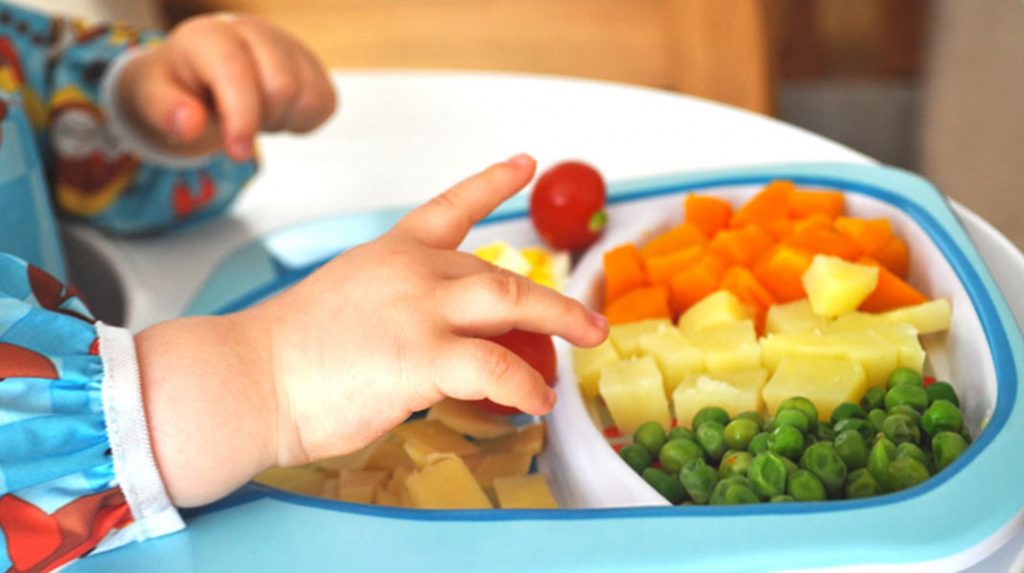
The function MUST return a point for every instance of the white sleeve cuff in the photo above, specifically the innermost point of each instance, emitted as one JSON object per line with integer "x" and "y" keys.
{"x": 134, "y": 464}
{"x": 135, "y": 142}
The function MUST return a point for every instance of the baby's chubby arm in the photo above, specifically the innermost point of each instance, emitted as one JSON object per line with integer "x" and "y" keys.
{"x": 327, "y": 366}
{"x": 217, "y": 80}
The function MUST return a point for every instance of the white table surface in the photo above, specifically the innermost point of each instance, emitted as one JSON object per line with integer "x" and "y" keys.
{"x": 401, "y": 137}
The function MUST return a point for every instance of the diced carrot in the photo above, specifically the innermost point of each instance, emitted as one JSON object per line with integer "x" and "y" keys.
{"x": 894, "y": 256}
{"x": 661, "y": 268}
{"x": 781, "y": 271}
{"x": 709, "y": 214}
{"x": 741, "y": 246}
{"x": 639, "y": 304}
{"x": 812, "y": 221}
{"x": 779, "y": 229}
{"x": 742, "y": 283}
{"x": 824, "y": 240}
{"x": 623, "y": 271}
{"x": 868, "y": 234}
{"x": 695, "y": 282}
{"x": 891, "y": 292}
{"x": 770, "y": 204}
{"x": 675, "y": 239}
{"x": 804, "y": 202}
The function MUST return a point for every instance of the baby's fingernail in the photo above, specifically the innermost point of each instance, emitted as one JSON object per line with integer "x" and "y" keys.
{"x": 521, "y": 160}
{"x": 598, "y": 320}
{"x": 240, "y": 148}
{"x": 551, "y": 398}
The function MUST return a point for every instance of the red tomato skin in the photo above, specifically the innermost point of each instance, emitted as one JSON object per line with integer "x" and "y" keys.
{"x": 567, "y": 206}
{"x": 537, "y": 350}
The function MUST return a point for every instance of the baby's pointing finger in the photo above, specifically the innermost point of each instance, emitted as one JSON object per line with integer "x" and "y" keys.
{"x": 444, "y": 221}
{"x": 494, "y": 302}
{"x": 472, "y": 369}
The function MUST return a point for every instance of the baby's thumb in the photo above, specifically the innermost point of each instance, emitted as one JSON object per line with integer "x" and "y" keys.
{"x": 167, "y": 108}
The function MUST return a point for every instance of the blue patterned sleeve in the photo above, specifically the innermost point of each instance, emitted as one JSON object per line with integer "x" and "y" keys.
{"x": 68, "y": 430}
{"x": 100, "y": 173}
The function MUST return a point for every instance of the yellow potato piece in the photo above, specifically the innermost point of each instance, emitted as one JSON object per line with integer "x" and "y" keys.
{"x": 675, "y": 355}
{"x": 508, "y": 464}
{"x": 717, "y": 309}
{"x": 445, "y": 483}
{"x": 825, "y": 381}
{"x": 359, "y": 486}
{"x": 734, "y": 391}
{"x": 301, "y": 480}
{"x": 835, "y": 286}
{"x": 626, "y": 337}
{"x": 634, "y": 393}
{"x": 731, "y": 346}
{"x": 467, "y": 418}
{"x": 387, "y": 456}
{"x": 424, "y": 437}
{"x": 588, "y": 362}
{"x": 928, "y": 317}
{"x": 524, "y": 492}
{"x": 795, "y": 316}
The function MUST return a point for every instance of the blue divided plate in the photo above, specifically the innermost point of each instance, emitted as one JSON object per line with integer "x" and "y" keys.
{"x": 947, "y": 523}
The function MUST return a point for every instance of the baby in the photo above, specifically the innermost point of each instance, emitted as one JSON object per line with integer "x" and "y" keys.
{"x": 102, "y": 432}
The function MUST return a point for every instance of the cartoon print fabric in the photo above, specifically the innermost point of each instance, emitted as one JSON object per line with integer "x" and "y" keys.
{"x": 60, "y": 496}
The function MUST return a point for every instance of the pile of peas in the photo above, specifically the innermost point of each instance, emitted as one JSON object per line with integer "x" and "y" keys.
{"x": 895, "y": 438}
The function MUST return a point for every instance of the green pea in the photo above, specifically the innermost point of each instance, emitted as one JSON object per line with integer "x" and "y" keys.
{"x": 863, "y": 427}
{"x": 794, "y": 418}
{"x": 709, "y": 414}
{"x": 734, "y": 463}
{"x": 680, "y": 432}
{"x": 786, "y": 441}
{"x": 879, "y": 459}
{"x": 908, "y": 472}
{"x": 873, "y": 398}
{"x": 732, "y": 491}
{"x": 768, "y": 475}
{"x": 909, "y": 395}
{"x": 860, "y": 483}
{"x": 904, "y": 376}
{"x": 810, "y": 439}
{"x": 668, "y": 486}
{"x": 947, "y": 447}
{"x": 636, "y": 456}
{"x": 907, "y": 411}
{"x": 941, "y": 416}
{"x": 823, "y": 461}
{"x": 711, "y": 437}
{"x": 651, "y": 436}
{"x": 739, "y": 432}
{"x": 675, "y": 453}
{"x": 824, "y": 432}
{"x": 965, "y": 433}
{"x": 942, "y": 391}
{"x": 909, "y": 450}
{"x": 699, "y": 479}
{"x": 758, "y": 443}
{"x": 802, "y": 404}
{"x": 847, "y": 410}
{"x": 876, "y": 417}
{"x": 755, "y": 417}
{"x": 790, "y": 465}
{"x": 853, "y": 448}
{"x": 781, "y": 498}
{"x": 805, "y": 486}
{"x": 900, "y": 428}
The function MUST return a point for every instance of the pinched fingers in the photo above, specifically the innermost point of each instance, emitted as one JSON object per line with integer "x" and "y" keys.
{"x": 444, "y": 221}
{"x": 496, "y": 301}
{"x": 473, "y": 369}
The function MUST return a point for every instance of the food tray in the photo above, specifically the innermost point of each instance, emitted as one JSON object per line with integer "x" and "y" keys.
{"x": 951, "y": 521}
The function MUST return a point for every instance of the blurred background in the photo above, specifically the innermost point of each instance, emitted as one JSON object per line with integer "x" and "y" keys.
{"x": 935, "y": 86}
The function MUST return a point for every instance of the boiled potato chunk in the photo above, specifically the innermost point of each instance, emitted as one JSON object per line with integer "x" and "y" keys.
{"x": 508, "y": 464}
{"x": 729, "y": 346}
{"x": 304, "y": 480}
{"x": 528, "y": 439}
{"x": 467, "y": 418}
{"x": 877, "y": 357}
{"x": 735, "y": 391}
{"x": 795, "y": 316}
{"x": 424, "y": 437}
{"x": 856, "y": 321}
{"x": 388, "y": 455}
{"x": 626, "y": 337}
{"x": 836, "y": 287}
{"x": 524, "y": 492}
{"x": 904, "y": 338}
{"x": 634, "y": 393}
{"x": 588, "y": 362}
{"x": 445, "y": 483}
{"x": 928, "y": 317}
{"x": 827, "y": 382}
{"x": 718, "y": 308}
{"x": 359, "y": 486}
{"x": 676, "y": 356}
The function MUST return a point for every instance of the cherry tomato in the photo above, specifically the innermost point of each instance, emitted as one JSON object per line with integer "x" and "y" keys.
{"x": 537, "y": 350}
{"x": 567, "y": 206}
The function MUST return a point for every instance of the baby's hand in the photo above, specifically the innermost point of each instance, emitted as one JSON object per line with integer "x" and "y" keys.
{"x": 218, "y": 80}
{"x": 394, "y": 325}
